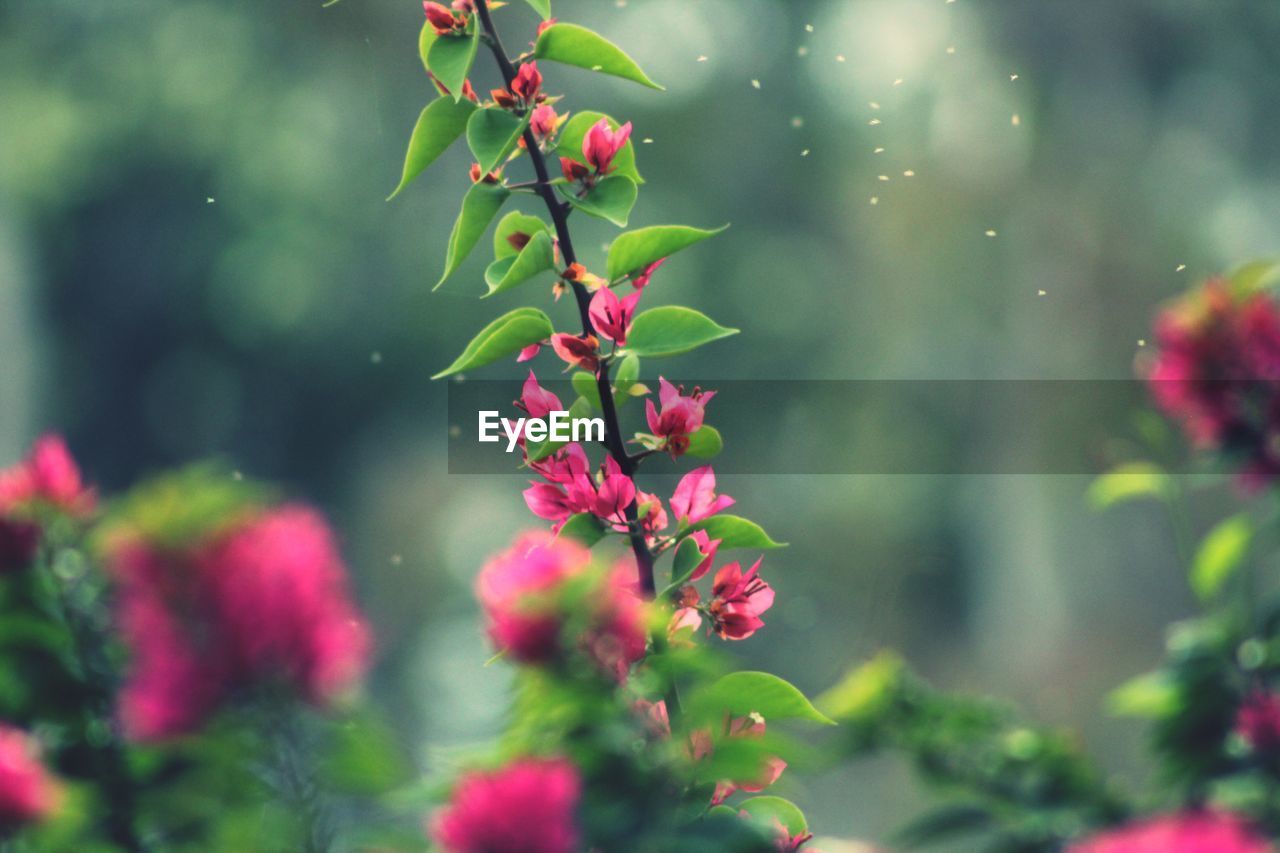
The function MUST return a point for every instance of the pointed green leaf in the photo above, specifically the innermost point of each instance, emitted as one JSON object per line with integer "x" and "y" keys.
{"x": 449, "y": 59}
{"x": 1220, "y": 555}
{"x": 585, "y": 384}
{"x": 481, "y": 203}
{"x": 492, "y": 134}
{"x": 611, "y": 199}
{"x": 705, "y": 443}
{"x": 574, "y": 133}
{"x": 537, "y": 256}
{"x": 505, "y": 336}
{"x": 1128, "y": 482}
{"x": 1154, "y": 695}
{"x": 635, "y": 250}
{"x": 685, "y": 561}
{"x": 584, "y": 527}
{"x": 426, "y": 38}
{"x": 672, "y": 330}
{"x": 742, "y": 693}
{"x": 579, "y": 46}
{"x": 542, "y": 7}
{"x": 441, "y": 122}
{"x": 737, "y": 532}
{"x": 765, "y": 811}
{"x": 513, "y": 223}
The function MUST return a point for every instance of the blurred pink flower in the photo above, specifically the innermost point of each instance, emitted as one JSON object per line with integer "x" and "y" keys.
{"x": 602, "y": 143}
{"x": 739, "y": 599}
{"x": 1183, "y": 832}
{"x": 695, "y": 498}
{"x": 1258, "y": 720}
{"x": 28, "y": 793}
{"x": 265, "y": 600}
{"x": 529, "y": 806}
{"x": 47, "y": 476}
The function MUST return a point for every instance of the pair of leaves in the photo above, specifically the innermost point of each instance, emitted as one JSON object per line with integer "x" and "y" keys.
{"x": 505, "y": 336}
{"x": 571, "y": 44}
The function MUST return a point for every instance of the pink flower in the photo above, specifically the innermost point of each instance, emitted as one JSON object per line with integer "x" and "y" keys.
{"x": 28, "y": 794}
{"x": 1258, "y": 720}
{"x": 615, "y": 493}
{"x": 738, "y": 601}
{"x": 577, "y": 351}
{"x": 544, "y": 122}
{"x": 517, "y": 590}
{"x": 547, "y": 24}
{"x": 612, "y": 316}
{"x": 528, "y": 353}
{"x": 641, "y": 280}
{"x": 441, "y": 19}
{"x": 48, "y": 476}
{"x": 527, "y": 83}
{"x": 1183, "y": 832}
{"x": 695, "y": 497}
{"x": 537, "y": 401}
{"x": 702, "y": 746}
{"x": 707, "y": 547}
{"x": 681, "y": 415}
{"x": 263, "y": 601}
{"x": 529, "y": 806}
{"x": 602, "y": 144}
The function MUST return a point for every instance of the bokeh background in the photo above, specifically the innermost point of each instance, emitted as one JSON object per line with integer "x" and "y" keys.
{"x": 196, "y": 260}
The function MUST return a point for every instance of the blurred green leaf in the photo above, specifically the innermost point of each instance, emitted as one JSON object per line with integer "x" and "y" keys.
{"x": 574, "y": 133}
{"x": 450, "y": 58}
{"x": 611, "y": 199}
{"x": 635, "y": 250}
{"x": 362, "y": 757}
{"x": 536, "y": 257}
{"x": 737, "y": 532}
{"x": 1153, "y": 696}
{"x": 492, "y": 134}
{"x": 866, "y": 691}
{"x": 442, "y": 121}
{"x": 765, "y": 810}
{"x": 1220, "y": 554}
{"x": 742, "y": 693}
{"x": 542, "y": 7}
{"x": 1255, "y": 276}
{"x": 578, "y": 46}
{"x": 481, "y": 203}
{"x": 672, "y": 330}
{"x": 584, "y": 527}
{"x": 514, "y": 223}
{"x": 1128, "y": 482}
{"x": 942, "y": 824}
{"x": 505, "y": 336}
{"x": 705, "y": 443}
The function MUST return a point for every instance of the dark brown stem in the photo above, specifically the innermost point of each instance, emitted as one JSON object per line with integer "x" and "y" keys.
{"x": 559, "y": 212}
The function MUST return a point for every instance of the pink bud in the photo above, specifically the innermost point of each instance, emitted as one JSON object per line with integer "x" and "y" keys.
{"x": 577, "y": 351}
{"x": 527, "y": 82}
{"x": 538, "y": 401}
{"x": 641, "y": 281}
{"x": 440, "y": 18}
{"x": 602, "y": 144}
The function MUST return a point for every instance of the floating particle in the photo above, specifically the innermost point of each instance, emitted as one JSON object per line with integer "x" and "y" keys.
{"x": 808, "y": 28}
{"x": 884, "y": 177}
{"x": 1040, "y": 293}
{"x": 237, "y": 476}
{"x": 839, "y": 57}
{"x": 879, "y": 150}
{"x": 898, "y": 82}
{"x": 375, "y": 357}
{"x": 209, "y": 200}
{"x": 804, "y": 153}
{"x": 1013, "y": 77}
{"x": 396, "y": 559}
{"x": 621, "y": 4}
{"x": 1016, "y": 120}
{"x": 875, "y": 122}
{"x": 874, "y": 105}
{"x": 951, "y": 50}
{"x": 755, "y": 84}
{"x": 1142, "y": 342}
{"x": 910, "y": 173}
{"x": 597, "y": 68}
{"x": 991, "y": 232}
{"x": 648, "y": 140}
{"x": 802, "y": 50}
{"x": 455, "y": 431}
{"x": 875, "y": 199}
{"x": 1180, "y": 268}
{"x": 797, "y": 121}
{"x": 702, "y": 59}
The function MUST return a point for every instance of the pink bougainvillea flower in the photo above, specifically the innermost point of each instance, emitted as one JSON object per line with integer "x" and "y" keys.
{"x": 529, "y": 806}
{"x": 527, "y": 85}
{"x": 544, "y": 122}
{"x": 478, "y": 177}
{"x": 265, "y": 600}
{"x": 618, "y": 636}
{"x": 1183, "y": 832}
{"x": 528, "y": 353}
{"x": 784, "y": 841}
{"x": 695, "y": 498}
{"x": 468, "y": 91}
{"x": 739, "y": 599}
{"x": 615, "y": 493}
{"x": 28, "y": 793}
{"x": 602, "y": 143}
{"x": 537, "y": 401}
{"x": 581, "y": 351}
{"x": 612, "y": 316}
{"x": 651, "y": 515}
{"x": 442, "y": 20}
{"x": 641, "y": 280}
{"x": 681, "y": 415}
{"x": 1258, "y": 720}
{"x": 547, "y": 24}
{"x": 47, "y": 479}
{"x": 707, "y": 547}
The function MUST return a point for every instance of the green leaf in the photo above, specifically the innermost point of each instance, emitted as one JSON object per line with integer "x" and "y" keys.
{"x": 514, "y": 223}
{"x": 442, "y": 121}
{"x": 672, "y": 330}
{"x": 611, "y": 199}
{"x": 736, "y": 532}
{"x": 426, "y": 37}
{"x": 505, "y": 336}
{"x": 765, "y": 810}
{"x": 635, "y": 250}
{"x": 1220, "y": 554}
{"x": 1128, "y": 482}
{"x": 867, "y": 691}
{"x": 685, "y": 561}
{"x": 705, "y": 443}
{"x": 742, "y": 693}
{"x": 537, "y": 256}
{"x": 580, "y": 47}
{"x": 450, "y": 58}
{"x": 574, "y": 133}
{"x": 1151, "y": 696}
{"x": 542, "y": 7}
{"x": 481, "y": 203}
{"x": 585, "y": 384}
{"x": 492, "y": 134}
{"x": 584, "y": 527}
{"x": 1251, "y": 278}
